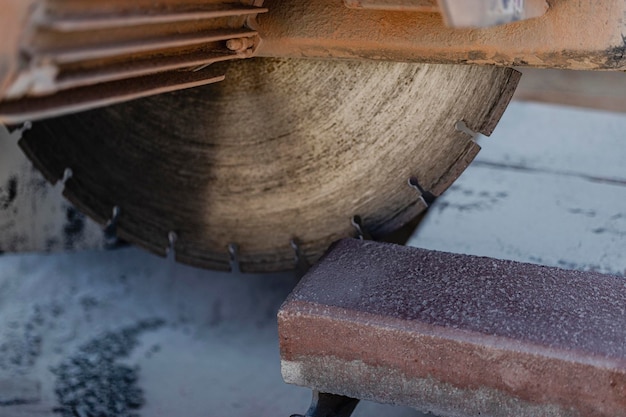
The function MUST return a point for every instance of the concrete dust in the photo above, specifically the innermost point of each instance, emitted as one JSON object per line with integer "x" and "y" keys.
{"x": 82, "y": 327}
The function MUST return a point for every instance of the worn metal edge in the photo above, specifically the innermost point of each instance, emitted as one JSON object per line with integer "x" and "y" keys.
{"x": 457, "y": 168}
{"x": 499, "y": 107}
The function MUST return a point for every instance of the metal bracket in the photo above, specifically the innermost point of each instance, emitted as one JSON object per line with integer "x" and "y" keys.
{"x": 330, "y": 405}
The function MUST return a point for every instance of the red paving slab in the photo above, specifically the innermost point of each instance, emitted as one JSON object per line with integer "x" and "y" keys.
{"x": 457, "y": 335}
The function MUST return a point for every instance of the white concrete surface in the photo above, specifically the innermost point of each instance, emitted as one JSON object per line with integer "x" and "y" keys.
{"x": 549, "y": 186}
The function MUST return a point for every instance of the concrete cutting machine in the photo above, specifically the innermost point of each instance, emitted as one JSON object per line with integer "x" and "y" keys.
{"x": 253, "y": 134}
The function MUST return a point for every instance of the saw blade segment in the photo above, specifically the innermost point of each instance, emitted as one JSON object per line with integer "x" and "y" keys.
{"x": 280, "y": 150}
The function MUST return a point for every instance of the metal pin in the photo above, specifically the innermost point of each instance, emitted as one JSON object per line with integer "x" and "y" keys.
{"x": 239, "y": 44}
{"x": 302, "y": 264}
{"x": 461, "y": 126}
{"x": 330, "y": 405}
{"x": 233, "y": 252}
{"x": 426, "y": 196}
{"x": 362, "y": 232}
{"x": 110, "y": 228}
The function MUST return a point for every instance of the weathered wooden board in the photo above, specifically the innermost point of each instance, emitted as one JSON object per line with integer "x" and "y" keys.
{"x": 599, "y": 90}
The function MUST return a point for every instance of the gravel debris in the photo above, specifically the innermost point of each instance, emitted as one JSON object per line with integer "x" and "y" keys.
{"x": 92, "y": 383}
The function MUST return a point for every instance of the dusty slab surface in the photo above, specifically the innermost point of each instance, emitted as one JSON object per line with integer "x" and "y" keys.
{"x": 457, "y": 335}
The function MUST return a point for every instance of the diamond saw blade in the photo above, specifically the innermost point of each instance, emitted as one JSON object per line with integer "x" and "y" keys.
{"x": 280, "y": 150}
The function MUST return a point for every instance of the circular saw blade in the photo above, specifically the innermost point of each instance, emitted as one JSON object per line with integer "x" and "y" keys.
{"x": 281, "y": 150}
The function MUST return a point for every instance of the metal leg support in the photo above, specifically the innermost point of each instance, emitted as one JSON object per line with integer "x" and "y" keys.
{"x": 330, "y": 405}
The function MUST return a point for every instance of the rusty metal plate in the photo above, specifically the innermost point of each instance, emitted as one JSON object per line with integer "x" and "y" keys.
{"x": 583, "y": 34}
{"x": 457, "y": 335}
{"x": 281, "y": 150}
